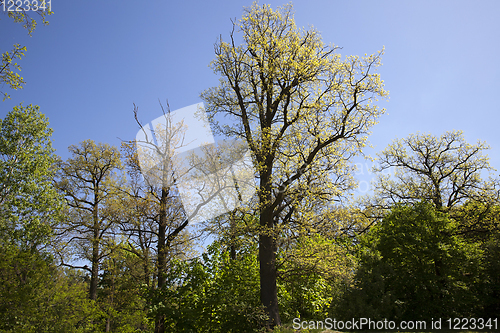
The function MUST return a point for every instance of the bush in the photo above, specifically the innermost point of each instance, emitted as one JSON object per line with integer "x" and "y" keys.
{"x": 413, "y": 267}
{"x": 212, "y": 294}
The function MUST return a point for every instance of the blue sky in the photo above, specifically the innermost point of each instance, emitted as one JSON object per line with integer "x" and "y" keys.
{"x": 97, "y": 58}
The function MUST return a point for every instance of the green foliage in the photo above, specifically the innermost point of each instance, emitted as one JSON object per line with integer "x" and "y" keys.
{"x": 36, "y": 296}
{"x": 214, "y": 294}
{"x": 312, "y": 269}
{"x": 8, "y": 68}
{"x": 413, "y": 266}
{"x": 489, "y": 287}
{"x": 306, "y": 296}
{"x": 480, "y": 223}
{"x": 29, "y": 203}
{"x": 22, "y": 274}
{"x": 120, "y": 294}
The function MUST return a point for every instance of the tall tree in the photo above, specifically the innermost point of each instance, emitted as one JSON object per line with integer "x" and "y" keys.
{"x": 29, "y": 203}
{"x": 155, "y": 160}
{"x": 33, "y": 292}
{"x": 303, "y": 112}
{"x": 89, "y": 183}
{"x": 170, "y": 170}
{"x": 155, "y": 219}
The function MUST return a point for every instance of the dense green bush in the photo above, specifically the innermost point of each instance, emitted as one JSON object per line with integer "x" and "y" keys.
{"x": 414, "y": 266}
{"x": 36, "y": 296}
{"x": 212, "y": 294}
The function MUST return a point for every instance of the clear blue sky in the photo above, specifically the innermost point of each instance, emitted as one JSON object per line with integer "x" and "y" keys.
{"x": 97, "y": 58}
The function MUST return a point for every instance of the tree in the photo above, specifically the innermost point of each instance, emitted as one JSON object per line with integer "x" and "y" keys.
{"x": 445, "y": 170}
{"x": 158, "y": 216}
{"x": 33, "y": 291}
{"x": 8, "y": 68}
{"x": 140, "y": 221}
{"x": 154, "y": 156}
{"x": 161, "y": 193}
{"x": 89, "y": 183}
{"x": 302, "y": 110}
{"x": 29, "y": 203}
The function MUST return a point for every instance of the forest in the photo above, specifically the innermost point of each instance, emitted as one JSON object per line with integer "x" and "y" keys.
{"x": 130, "y": 239}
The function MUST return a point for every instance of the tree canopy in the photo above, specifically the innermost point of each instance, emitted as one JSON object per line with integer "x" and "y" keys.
{"x": 29, "y": 203}
{"x": 445, "y": 170}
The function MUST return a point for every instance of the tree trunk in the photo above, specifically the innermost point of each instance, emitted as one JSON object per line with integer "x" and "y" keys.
{"x": 162, "y": 259}
{"x": 232, "y": 236}
{"x": 267, "y": 253}
{"x": 95, "y": 255}
{"x": 268, "y": 288}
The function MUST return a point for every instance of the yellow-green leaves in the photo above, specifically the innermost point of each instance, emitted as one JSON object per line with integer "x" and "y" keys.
{"x": 297, "y": 103}
{"x": 20, "y": 15}
{"x": 304, "y": 112}
{"x": 9, "y": 68}
{"x": 8, "y": 74}
{"x": 445, "y": 170}
{"x": 29, "y": 204}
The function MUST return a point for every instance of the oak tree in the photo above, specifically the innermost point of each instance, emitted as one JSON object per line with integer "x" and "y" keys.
{"x": 445, "y": 170}
{"x": 154, "y": 156}
{"x": 413, "y": 266}
{"x": 302, "y": 110}
{"x": 89, "y": 184}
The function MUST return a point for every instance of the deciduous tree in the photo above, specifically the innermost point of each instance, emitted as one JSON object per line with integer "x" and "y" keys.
{"x": 302, "y": 110}
{"x": 29, "y": 203}
{"x": 445, "y": 170}
{"x": 33, "y": 291}
{"x": 413, "y": 266}
{"x": 89, "y": 183}
{"x": 154, "y": 161}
